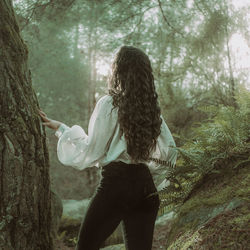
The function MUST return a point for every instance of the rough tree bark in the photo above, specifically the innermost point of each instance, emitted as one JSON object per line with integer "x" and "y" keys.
{"x": 25, "y": 197}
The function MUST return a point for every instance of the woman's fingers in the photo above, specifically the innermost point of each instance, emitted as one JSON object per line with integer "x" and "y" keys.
{"x": 46, "y": 119}
{"x": 48, "y": 122}
{"x": 44, "y": 116}
{"x": 41, "y": 112}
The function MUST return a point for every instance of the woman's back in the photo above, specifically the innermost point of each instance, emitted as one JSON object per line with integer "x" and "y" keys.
{"x": 103, "y": 144}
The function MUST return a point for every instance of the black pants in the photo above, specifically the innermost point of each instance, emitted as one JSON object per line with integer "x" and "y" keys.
{"x": 121, "y": 196}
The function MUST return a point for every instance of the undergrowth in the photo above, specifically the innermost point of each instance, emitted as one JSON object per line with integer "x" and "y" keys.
{"x": 220, "y": 144}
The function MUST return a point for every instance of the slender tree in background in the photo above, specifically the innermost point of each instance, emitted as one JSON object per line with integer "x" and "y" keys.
{"x": 25, "y": 197}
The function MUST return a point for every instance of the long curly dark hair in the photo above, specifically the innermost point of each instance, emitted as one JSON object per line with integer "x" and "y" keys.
{"x": 132, "y": 87}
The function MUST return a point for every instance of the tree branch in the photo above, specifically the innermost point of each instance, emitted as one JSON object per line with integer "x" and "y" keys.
{"x": 166, "y": 20}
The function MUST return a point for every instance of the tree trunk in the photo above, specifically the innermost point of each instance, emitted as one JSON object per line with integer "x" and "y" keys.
{"x": 232, "y": 81}
{"x": 25, "y": 198}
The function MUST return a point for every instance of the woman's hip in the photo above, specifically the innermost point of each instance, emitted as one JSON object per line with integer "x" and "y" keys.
{"x": 128, "y": 185}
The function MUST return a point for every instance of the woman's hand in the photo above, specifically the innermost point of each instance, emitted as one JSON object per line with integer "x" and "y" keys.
{"x": 53, "y": 124}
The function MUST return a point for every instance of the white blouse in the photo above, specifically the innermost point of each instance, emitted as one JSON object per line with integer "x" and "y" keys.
{"x": 102, "y": 144}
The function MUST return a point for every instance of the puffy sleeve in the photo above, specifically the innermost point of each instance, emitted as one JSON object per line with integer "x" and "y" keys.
{"x": 167, "y": 146}
{"x": 80, "y": 150}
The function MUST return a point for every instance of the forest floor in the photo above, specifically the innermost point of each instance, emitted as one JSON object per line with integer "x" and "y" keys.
{"x": 216, "y": 216}
{"x": 159, "y": 240}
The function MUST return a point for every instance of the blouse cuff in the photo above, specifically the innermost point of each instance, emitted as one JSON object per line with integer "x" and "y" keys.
{"x": 61, "y": 130}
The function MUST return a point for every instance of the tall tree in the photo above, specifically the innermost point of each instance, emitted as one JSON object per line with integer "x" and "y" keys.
{"x": 25, "y": 197}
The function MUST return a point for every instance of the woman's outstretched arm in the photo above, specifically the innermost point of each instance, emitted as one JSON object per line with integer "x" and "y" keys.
{"x": 80, "y": 150}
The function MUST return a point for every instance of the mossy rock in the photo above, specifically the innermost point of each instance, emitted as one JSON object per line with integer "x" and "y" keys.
{"x": 68, "y": 230}
{"x": 216, "y": 215}
{"x": 115, "y": 247}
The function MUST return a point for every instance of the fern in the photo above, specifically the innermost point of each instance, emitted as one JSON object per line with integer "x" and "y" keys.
{"x": 221, "y": 142}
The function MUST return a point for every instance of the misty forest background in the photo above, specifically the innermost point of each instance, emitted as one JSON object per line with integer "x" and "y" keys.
{"x": 194, "y": 47}
{"x": 200, "y": 53}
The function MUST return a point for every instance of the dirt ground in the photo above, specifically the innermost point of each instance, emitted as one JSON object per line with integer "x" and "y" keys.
{"x": 159, "y": 240}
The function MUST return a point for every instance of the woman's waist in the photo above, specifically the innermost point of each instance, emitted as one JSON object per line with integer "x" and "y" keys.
{"x": 123, "y": 170}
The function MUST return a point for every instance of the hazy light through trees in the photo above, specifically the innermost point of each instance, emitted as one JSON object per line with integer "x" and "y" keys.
{"x": 198, "y": 49}
{"x": 238, "y": 44}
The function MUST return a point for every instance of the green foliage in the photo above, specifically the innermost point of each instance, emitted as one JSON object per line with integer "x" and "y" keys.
{"x": 224, "y": 137}
{"x": 219, "y": 195}
{"x": 220, "y": 144}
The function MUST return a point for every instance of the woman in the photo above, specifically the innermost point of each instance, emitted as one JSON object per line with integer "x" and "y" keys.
{"x": 129, "y": 139}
